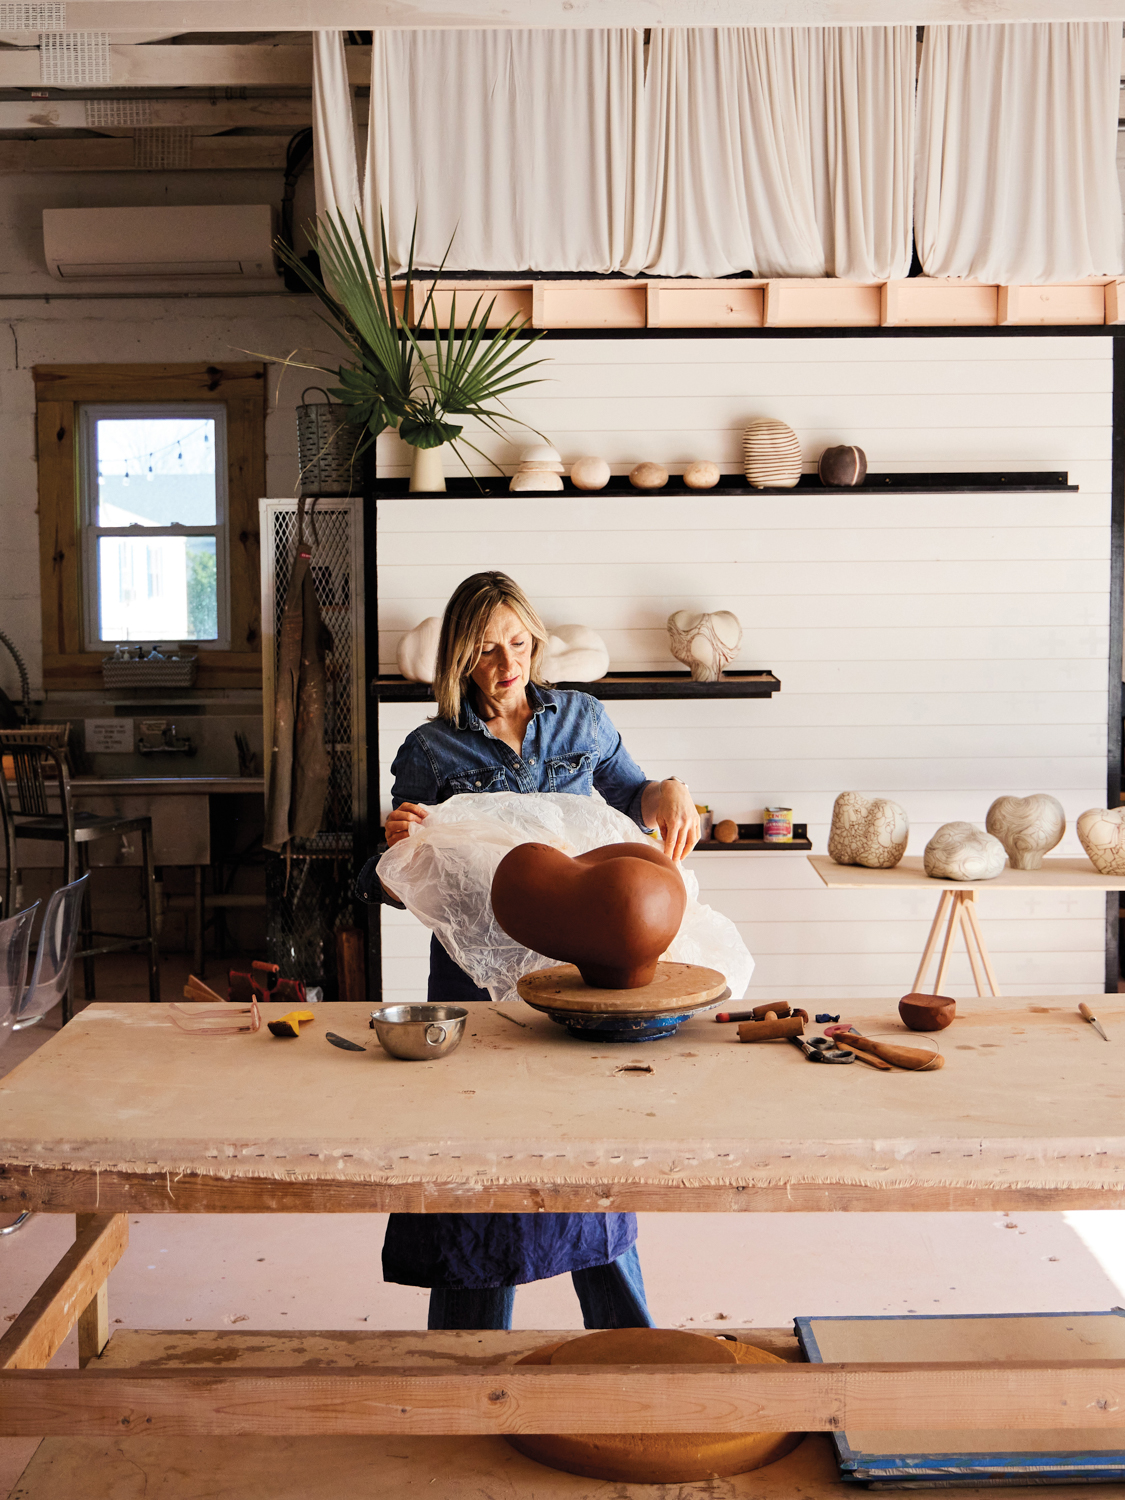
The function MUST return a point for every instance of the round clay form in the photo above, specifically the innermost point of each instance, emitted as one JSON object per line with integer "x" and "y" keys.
{"x": 958, "y": 851}
{"x": 771, "y": 455}
{"x": 725, "y": 832}
{"x": 654, "y": 1458}
{"x": 927, "y": 1012}
{"x": 611, "y": 912}
{"x": 589, "y": 473}
{"x": 648, "y": 477}
{"x": 703, "y": 475}
{"x": 417, "y": 651}
{"x": 842, "y": 467}
{"x": 1101, "y": 832}
{"x": 529, "y": 481}
{"x": 1028, "y": 827}
{"x": 706, "y": 643}
{"x": 868, "y": 831}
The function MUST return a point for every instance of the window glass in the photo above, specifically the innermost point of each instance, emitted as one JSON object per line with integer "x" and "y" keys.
{"x": 155, "y": 471}
{"x": 161, "y": 588}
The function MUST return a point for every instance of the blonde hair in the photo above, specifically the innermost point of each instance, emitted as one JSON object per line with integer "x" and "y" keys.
{"x": 463, "y": 626}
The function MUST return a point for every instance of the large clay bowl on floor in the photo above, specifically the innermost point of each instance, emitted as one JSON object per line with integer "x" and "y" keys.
{"x": 641, "y": 1015}
{"x": 654, "y": 1458}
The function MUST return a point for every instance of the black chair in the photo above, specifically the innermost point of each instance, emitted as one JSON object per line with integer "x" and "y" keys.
{"x": 40, "y": 771}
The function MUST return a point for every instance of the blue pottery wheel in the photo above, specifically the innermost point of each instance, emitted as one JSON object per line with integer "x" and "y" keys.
{"x": 640, "y": 1015}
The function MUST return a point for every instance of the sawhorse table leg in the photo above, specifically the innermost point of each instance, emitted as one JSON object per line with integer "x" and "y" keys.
{"x": 958, "y": 911}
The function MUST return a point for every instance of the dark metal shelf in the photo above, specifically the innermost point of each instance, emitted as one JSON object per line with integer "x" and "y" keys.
{"x": 750, "y": 839}
{"x": 493, "y": 486}
{"x": 614, "y": 685}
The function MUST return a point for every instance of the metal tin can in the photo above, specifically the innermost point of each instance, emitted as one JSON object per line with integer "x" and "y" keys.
{"x": 779, "y": 825}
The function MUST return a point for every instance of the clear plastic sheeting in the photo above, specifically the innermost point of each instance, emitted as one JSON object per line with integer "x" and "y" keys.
{"x": 443, "y": 874}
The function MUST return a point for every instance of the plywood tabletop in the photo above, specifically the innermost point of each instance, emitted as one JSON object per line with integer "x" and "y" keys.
{"x": 1074, "y": 873}
{"x": 122, "y": 1110}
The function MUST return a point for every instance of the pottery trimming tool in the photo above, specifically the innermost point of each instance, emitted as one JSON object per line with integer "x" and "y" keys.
{"x": 1088, "y": 1015}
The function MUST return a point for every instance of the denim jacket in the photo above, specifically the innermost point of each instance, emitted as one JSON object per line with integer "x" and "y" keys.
{"x": 570, "y": 745}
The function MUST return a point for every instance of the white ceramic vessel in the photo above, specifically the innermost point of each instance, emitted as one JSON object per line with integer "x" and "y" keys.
{"x": 704, "y": 642}
{"x": 1101, "y": 832}
{"x": 771, "y": 454}
{"x": 868, "y": 831}
{"x": 589, "y": 473}
{"x": 961, "y": 851}
{"x": 417, "y": 651}
{"x": 575, "y": 653}
{"x": 1028, "y": 827}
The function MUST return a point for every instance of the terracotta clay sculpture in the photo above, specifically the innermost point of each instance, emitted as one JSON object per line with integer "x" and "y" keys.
{"x": 575, "y": 653}
{"x": 1101, "y": 832}
{"x": 1028, "y": 827}
{"x": 589, "y": 473}
{"x": 704, "y": 642}
{"x": 611, "y": 912}
{"x": 654, "y": 1457}
{"x": 927, "y": 1012}
{"x": 868, "y": 831}
{"x": 771, "y": 455}
{"x": 417, "y": 651}
{"x": 648, "y": 477}
{"x": 703, "y": 475}
{"x": 842, "y": 467}
{"x": 958, "y": 851}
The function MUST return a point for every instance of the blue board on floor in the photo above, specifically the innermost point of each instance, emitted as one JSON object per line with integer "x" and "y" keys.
{"x": 904, "y": 1459}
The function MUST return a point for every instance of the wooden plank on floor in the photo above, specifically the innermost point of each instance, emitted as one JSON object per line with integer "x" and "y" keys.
{"x": 38, "y": 1332}
{"x": 498, "y": 1399}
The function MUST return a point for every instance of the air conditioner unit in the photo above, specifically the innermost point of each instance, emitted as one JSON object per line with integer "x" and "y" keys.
{"x": 232, "y": 240}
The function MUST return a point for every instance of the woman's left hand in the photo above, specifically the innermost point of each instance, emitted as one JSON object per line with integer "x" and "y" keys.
{"x": 667, "y": 805}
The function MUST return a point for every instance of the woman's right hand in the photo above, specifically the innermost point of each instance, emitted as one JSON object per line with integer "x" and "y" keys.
{"x": 398, "y": 823}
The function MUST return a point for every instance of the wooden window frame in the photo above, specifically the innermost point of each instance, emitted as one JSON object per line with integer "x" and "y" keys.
{"x": 241, "y": 388}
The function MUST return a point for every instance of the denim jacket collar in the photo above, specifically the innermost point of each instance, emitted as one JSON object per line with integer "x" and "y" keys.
{"x": 539, "y": 699}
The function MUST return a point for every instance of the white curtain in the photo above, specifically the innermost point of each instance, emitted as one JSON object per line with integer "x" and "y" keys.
{"x": 335, "y": 165}
{"x": 779, "y": 151}
{"x": 1016, "y": 176}
{"x": 520, "y": 147}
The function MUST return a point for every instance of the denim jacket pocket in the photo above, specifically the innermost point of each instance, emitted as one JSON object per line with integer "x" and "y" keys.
{"x": 483, "y": 779}
{"x": 571, "y": 773}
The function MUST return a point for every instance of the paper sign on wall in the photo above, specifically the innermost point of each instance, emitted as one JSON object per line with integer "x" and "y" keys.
{"x": 109, "y": 736}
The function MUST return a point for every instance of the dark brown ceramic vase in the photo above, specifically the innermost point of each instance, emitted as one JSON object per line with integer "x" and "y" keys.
{"x": 611, "y": 912}
{"x": 842, "y": 467}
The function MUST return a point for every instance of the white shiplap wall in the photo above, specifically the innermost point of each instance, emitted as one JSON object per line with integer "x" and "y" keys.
{"x": 939, "y": 649}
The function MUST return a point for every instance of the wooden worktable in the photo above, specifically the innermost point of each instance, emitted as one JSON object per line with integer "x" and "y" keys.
{"x": 122, "y": 1111}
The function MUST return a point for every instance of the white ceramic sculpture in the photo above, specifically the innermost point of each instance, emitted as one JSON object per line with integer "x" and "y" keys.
{"x": 869, "y": 831}
{"x": 540, "y": 469}
{"x": 704, "y": 642}
{"x": 648, "y": 477}
{"x": 1101, "y": 832}
{"x": 589, "y": 473}
{"x": 703, "y": 475}
{"x": 1028, "y": 827}
{"x": 771, "y": 454}
{"x": 960, "y": 851}
{"x": 417, "y": 651}
{"x": 575, "y": 653}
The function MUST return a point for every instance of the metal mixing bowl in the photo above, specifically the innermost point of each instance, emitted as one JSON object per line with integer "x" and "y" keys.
{"x": 419, "y": 1033}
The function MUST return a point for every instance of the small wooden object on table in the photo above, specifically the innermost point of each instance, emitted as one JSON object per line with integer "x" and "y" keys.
{"x": 956, "y": 903}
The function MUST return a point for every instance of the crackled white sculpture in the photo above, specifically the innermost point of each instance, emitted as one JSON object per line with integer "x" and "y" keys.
{"x": 869, "y": 831}
{"x": 575, "y": 653}
{"x": 961, "y": 851}
{"x": 1101, "y": 832}
{"x": 704, "y": 642}
{"x": 1028, "y": 827}
{"x": 417, "y": 651}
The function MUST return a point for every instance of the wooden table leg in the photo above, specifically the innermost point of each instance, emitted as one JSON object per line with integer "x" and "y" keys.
{"x": 931, "y": 941}
{"x": 74, "y": 1292}
{"x": 947, "y": 946}
{"x": 970, "y": 944}
{"x": 971, "y": 913}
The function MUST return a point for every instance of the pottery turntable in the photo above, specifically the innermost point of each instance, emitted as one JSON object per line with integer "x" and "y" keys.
{"x": 610, "y": 1015}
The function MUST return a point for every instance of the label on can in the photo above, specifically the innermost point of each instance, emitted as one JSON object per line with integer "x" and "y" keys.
{"x": 779, "y": 825}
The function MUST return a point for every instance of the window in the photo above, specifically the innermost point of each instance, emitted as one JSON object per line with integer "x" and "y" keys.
{"x": 181, "y": 566}
{"x": 154, "y": 534}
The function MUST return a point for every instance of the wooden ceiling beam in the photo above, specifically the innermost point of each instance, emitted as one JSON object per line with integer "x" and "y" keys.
{"x": 202, "y": 116}
{"x": 178, "y": 67}
{"x": 209, "y": 153}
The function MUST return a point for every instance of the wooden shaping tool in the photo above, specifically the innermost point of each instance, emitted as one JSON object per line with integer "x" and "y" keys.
{"x": 768, "y": 1031}
{"x": 909, "y": 1059}
{"x": 866, "y": 1057}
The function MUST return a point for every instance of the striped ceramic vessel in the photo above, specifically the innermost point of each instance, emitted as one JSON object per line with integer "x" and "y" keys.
{"x": 771, "y": 454}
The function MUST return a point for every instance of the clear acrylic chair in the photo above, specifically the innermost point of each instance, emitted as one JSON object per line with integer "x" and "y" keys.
{"x": 54, "y": 958}
{"x": 15, "y": 936}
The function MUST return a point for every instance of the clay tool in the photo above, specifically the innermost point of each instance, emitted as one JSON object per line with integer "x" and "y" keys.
{"x": 343, "y": 1043}
{"x": 909, "y": 1059}
{"x": 768, "y": 1031}
{"x": 864, "y": 1057}
{"x": 820, "y": 1050}
{"x": 775, "y": 1010}
{"x": 290, "y": 1025}
{"x": 1088, "y": 1015}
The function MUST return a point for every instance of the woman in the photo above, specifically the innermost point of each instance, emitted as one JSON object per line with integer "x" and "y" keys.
{"x": 499, "y": 729}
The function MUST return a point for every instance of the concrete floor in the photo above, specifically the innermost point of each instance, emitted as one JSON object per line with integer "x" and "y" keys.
{"x": 701, "y": 1270}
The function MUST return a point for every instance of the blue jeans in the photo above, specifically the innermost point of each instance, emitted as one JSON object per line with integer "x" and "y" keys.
{"x": 610, "y": 1296}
